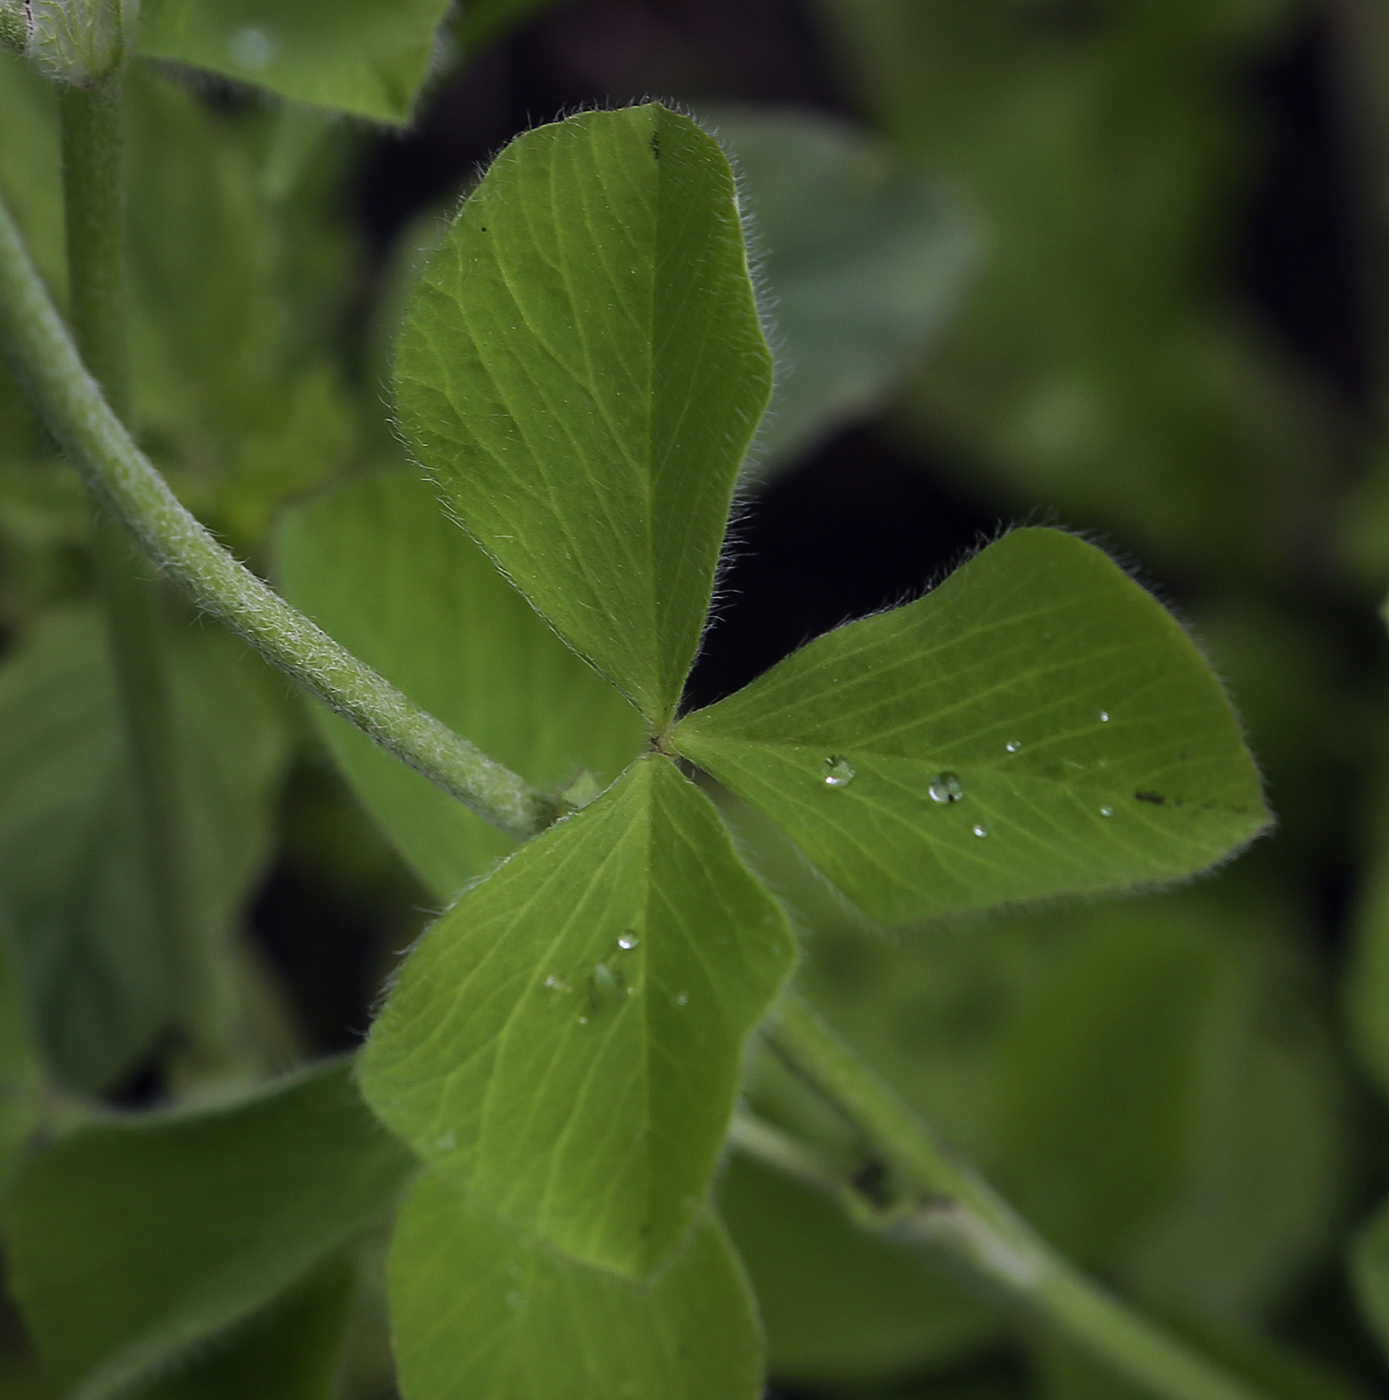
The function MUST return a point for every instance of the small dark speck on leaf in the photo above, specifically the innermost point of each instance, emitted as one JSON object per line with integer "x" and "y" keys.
{"x": 656, "y": 144}
{"x": 1156, "y": 798}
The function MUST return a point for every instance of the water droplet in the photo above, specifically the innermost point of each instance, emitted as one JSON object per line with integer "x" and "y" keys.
{"x": 445, "y": 1142}
{"x": 683, "y": 999}
{"x": 980, "y": 829}
{"x": 1106, "y": 811}
{"x": 1104, "y": 716}
{"x": 252, "y": 49}
{"x": 839, "y": 772}
{"x": 628, "y": 941}
{"x": 515, "y": 1299}
{"x": 556, "y": 984}
{"x": 1012, "y": 746}
{"x": 947, "y": 787}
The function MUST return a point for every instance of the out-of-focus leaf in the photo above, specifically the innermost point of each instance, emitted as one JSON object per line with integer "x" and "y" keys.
{"x": 480, "y": 1309}
{"x": 381, "y": 566}
{"x": 566, "y": 1042}
{"x": 290, "y": 1351}
{"x": 482, "y": 22}
{"x": 356, "y": 56}
{"x": 72, "y": 872}
{"x": 244, "y": 413}
{"x": 1037, "y": 725}
{"x": 837, "y": 1303}
{"x": 1093, "y": 368}
{"x": 582, "y": 369}
{"x": 133, "y": 1243}
{"x": 21, "y": 1071}
{"x": 1370, "y": 1274}
{"x": 862, "y": 263}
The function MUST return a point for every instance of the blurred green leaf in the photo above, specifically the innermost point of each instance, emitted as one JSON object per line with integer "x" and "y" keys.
{"x": 245, "y": 409}
{"x": 1369, "y": 1266}
{"x": 1037, "y": 725}
{"x": 357, "y": 56}
{"x": 381, "y": 566}
{"x": 133, "y": 1243}
{"x": 292, "y": 1350}
{"x": 863, "y": 262}
{"x": 566, "y": 1042}
{"x": 838, "y": 1303}
{"x": 582, "y": 369}
{"x": 72, "y": 870}
{"x": 482, "y": 22}
{"x": 1095, "y": 367}
{"x": 21, "y": 1071}
{"x": 479, "y": 1309}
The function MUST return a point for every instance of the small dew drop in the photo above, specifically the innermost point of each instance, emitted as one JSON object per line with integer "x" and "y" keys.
{"x": 683, "y": 999}
{"x": 946, "y": 787}
{"x": 252, "y": 49}
{"x": 1012, "y": 746}
{"x": 556, "y": 984}
{"x": 515, "y": 1299}
{"x": 839, "y": 772}
{"x": 1106, "y": 811}
{"x": 583, "y": 1020}
{"x": 1104, "y": 716}
{"x": 628, "y": 941}
{"x": 980, "y": 829}
{"x": 445, "y": 1142}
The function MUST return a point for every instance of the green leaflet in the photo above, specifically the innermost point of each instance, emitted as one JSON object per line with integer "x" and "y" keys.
{"x": 582, "y": 369}
{"x": 292, "y": 1350}
{"x": 382, "y": 568}
{"x": 1037, "y": 725}
{"x": 565, "y": 1043}
{"x": 359, "y": 56}
{"x": 482, "y": 1312}
{"x": 72, "y": 873}
{"x": 132, "y": 1242}
{"x": 864, "y": 262}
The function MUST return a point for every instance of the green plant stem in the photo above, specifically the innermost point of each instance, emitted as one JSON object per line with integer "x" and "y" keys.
{"x": 94, "y": 190}
{"x": 950, "y": 1208}
{"x": 72, "y": 406}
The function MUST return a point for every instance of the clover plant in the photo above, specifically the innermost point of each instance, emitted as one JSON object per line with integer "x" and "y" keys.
{"x": 539, "y": 1114}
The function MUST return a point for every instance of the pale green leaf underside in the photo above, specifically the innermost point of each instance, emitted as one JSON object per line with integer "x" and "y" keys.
{"x": 131, "y": 1242}
{"x": 480, "y": 1311}
{"x": 381, "y": 567}
{"x": 582, "y": 368}
{"x": 359, "y": 56}
{"x": 580, "y": 1087}
{"x": 1091, "y": 745}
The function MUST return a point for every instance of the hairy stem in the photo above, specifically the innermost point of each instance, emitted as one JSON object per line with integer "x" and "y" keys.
{"x": 94, "y": 190}
{"x": 75, "y": 412}
{"x": 949, "y": 1207}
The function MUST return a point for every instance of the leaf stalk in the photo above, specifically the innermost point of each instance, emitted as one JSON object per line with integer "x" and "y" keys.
{"x": 72, "y": 406}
